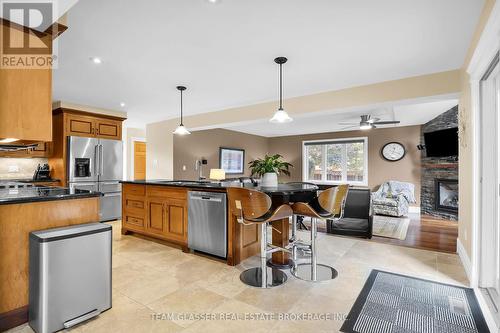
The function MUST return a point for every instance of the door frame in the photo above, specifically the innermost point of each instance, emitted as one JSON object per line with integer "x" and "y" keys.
{"x": 484, "y": 54}
{"x": 132, "y": 152}
{"x": 489, "y": 210}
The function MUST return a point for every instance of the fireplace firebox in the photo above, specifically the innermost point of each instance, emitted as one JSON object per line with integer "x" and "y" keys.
{"x": 446, "y": 195}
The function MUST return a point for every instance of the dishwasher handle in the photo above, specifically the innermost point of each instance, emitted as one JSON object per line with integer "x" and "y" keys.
{"x": 205, "y": 198}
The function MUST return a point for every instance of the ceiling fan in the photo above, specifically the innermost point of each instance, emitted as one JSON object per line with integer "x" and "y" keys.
{"x": 367, "y": 122}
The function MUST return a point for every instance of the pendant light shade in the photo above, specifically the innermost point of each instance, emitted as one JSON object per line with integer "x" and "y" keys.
{"x": 181, "y": 129}
{"x": 281, "y": 116}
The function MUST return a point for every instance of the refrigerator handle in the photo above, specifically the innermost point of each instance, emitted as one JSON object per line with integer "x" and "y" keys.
{"x": 101, "y": 158}
{"x": 96, "y": 159}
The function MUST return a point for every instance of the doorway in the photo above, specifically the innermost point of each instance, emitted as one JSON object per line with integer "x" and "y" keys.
{"x": 139, "y": 160}
{"x": 489, "y": 262}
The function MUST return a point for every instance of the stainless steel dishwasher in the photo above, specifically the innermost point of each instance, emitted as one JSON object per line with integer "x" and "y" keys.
{"x": 207, "y": 222}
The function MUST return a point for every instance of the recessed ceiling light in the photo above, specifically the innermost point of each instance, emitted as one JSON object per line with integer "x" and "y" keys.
{"x": 96, "y": 60}
{"x": 122, "y": 104}
{"x": 213, "y": 1}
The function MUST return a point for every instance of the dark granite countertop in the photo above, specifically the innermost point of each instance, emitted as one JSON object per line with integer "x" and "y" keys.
{"x": 207, "y": 185}
{"x": 36, "y": 194}
{"x": 28, "y": 180}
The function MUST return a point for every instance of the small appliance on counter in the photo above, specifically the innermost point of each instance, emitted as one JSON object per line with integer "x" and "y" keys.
{"x": 42, "y": 172}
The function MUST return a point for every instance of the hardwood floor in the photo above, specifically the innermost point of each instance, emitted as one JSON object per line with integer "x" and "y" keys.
{"x": 424, "y": 232}
{"x": 427, "y": 232}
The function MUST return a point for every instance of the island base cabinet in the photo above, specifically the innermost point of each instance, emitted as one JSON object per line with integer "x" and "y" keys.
{"x": 161, "y": 212}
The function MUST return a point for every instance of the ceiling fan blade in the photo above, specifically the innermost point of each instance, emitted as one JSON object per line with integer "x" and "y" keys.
{"x": 352, "y": 124}
{"x": 387, "y": 122}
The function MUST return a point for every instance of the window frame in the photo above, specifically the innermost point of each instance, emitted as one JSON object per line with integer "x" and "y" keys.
{"x": 344, "y": 161}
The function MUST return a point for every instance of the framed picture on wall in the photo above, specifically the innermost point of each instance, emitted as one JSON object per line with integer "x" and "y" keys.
{"x": 232, "y": 160}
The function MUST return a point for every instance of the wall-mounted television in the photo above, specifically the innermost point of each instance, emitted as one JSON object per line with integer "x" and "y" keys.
{"x": 442, "y": 143}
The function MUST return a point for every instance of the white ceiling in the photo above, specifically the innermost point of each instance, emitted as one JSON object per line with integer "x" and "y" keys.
{"x": 409, "y": 114}
{"x": 224, "y": 52}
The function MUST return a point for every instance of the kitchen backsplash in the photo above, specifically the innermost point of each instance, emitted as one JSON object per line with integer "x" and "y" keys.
{"x": 19, "y": 168}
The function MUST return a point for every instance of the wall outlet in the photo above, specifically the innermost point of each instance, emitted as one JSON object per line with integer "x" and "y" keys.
{"x": 13, "y": 168}
{"x": 183, "y": 168}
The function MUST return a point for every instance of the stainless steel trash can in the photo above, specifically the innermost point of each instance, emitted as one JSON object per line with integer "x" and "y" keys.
{"x": 70, "y": 275}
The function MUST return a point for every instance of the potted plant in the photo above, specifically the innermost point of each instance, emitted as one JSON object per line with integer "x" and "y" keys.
{"x": 269, "y": 168}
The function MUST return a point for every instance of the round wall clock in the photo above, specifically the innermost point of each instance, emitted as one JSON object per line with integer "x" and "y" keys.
{"x": 393, "y": 151}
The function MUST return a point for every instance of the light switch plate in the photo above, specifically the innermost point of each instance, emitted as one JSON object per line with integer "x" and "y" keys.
{"x": 183, "y": 168}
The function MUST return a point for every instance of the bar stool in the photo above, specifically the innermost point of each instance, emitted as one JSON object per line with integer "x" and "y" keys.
{"x": 254, "y": 207}
{"x": 329, "y": 205}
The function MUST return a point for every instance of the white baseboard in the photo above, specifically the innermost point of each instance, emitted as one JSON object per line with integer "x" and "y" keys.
{"x": 414, "y": 209}
{"x": 464, "y": 257}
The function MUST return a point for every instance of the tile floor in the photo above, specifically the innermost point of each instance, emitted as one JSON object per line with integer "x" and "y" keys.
{"x": 151, "y": 278}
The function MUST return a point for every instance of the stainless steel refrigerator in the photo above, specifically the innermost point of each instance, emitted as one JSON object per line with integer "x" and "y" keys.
{"x": 97, "y": 164}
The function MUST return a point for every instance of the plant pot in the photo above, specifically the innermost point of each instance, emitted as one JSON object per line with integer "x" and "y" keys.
{"x": 270, "y": 179}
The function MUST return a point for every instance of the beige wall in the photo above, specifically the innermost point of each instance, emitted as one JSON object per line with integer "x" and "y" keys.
{"x": 26, "y": 167}
{"x": 379, "y": 170}
{"x": 132, "y": 133}
{"x": 160, "y": 150}
{"x": 188, "y": 149}
{"x": 160, "y": 138}
{"x": 465, "y": 212}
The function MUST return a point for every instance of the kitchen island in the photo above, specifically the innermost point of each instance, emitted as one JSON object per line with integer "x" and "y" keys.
{"x": 159, "y": 209}
{"x": 23, "y": 210}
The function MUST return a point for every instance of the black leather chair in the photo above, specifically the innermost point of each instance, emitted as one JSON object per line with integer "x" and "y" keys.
{"x": 358, "y": 216}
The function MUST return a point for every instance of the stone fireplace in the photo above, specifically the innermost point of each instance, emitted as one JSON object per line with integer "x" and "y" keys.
{"x": 439, "y": 185}
{"x": 446, "y": 195}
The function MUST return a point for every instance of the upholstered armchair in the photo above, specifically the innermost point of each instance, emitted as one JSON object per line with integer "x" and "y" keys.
{"x": 393, "y": 198}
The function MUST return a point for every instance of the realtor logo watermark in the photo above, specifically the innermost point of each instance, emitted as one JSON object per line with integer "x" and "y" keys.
{"x": 26, "y": 30}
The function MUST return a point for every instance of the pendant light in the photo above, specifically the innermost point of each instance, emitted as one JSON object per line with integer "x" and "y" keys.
{"x": 181, "y": 129}
{"x": 281, "y": 116}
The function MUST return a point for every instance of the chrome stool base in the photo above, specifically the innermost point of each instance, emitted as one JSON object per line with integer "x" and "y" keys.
{"x": 323, "y": 272}
{"x": 253, "y": 277}
{"x": 271, "y": 264}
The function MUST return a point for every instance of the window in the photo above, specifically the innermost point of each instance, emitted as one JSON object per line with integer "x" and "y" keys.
{"x": 336, "y": 161}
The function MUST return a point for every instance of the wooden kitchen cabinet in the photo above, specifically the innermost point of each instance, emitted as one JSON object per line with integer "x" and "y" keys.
{"x": 93, "y": 126}
{"x": 108, "y": 129}
{"x": 78, "y": 125}
{"x": 157, "y": 216}
{"x": 155, "y": 211}
{"x": 26, "y": 96}
{"x": 72, "y": 122}
{"x": 176, "y": 220}
{"x": 133, "y": 208}
{"x": 161, "y": 212}
{"x": 167, "y": 217}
